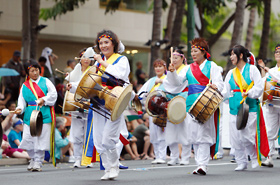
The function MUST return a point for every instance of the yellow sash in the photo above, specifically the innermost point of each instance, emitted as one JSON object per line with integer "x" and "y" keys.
{"x": 180, "y": 68}
{"x": 157, "y": 85}
{"x": 238, "y": 78}
{"x": 110, "y": 60}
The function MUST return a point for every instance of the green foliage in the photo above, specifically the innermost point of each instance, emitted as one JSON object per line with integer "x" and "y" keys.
{"x": 211, "y": 7}
{"x": 164, "y": 5}
{"x": 61, "y": 7}
{"x": 112, "y": 6}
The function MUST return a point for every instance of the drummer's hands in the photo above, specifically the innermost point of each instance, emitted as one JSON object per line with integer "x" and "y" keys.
{"x": 18, "y": 111}
{"x": 136, "y": 97}
{"x": 171, "y": 67}
{"x": 66, "y": 74}
{"x": 158, "y": 81}
{"x": 214, "y": 86}
{"x": 40, "y": 102}
{"x": 262, "y": 64}
{"x": 68, "y": 86}
{"x": 244, "y": 94}
{"x": 98, "y": 58}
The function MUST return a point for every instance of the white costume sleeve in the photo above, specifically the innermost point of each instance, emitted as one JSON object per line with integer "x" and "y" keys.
{"x": 74, "y": 87}
{"x": 173, "y": 83}
{"x": 51, "y": 96}
{"x": 216, "y": 76}
{"x": 120, "y": 70}
{"x": 274, "y": 73}
{"x": 21, "y": 101}
{"x": 226, "y": 92}
{"x": 256, "y": 91}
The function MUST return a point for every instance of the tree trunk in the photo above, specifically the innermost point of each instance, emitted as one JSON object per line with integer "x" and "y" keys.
{"x": 250, "y": 29}
{"x": 237, "y": 30}
{"x": 26, "y": 26}
{"x": 176, "y": 32}
{"x": 34, "y": 19}
{"x": 155, "y": 49}
{"x": 265, "y": 31}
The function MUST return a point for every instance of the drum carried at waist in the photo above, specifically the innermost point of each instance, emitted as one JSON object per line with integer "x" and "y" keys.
{"x": 159, "y": 106}
{"x": 271, "y": 92}
{"x": 36, "y": 123}
{"x": 116, "y": 98}
{"x": 206, "y": 104}
{"x": 69, "y": 104}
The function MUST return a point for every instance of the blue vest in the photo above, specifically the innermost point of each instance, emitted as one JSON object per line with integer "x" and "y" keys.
{"x": 234, "y": 101}
{"x": 30, "y": 97}
{"x": 195, "y": 88}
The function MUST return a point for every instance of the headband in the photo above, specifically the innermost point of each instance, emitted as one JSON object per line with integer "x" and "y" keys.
{"x": 277, "y": 48}
{"x": 30, "y": 67}
{"x": 106, "y": 36}
{"x": 202, "y": 49}
{"x": 181, "y": 55}
{"x": 82, "y": 53}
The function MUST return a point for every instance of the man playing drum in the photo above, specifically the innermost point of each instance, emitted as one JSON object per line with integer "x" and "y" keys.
{"x": 272, "y": 106}
{"x": 37, "y": 91}
{"x": 241, "y": 82}
{"x": 198, "y": 75}
{"x": 157, "y": 132}
{"x": 176, "y": 133}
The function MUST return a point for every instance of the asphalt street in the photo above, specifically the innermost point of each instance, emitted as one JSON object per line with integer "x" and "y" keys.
{"x": 142, "y": 172}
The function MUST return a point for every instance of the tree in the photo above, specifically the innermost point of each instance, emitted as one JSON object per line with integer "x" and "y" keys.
{"x": 176, "y": 31}
{"x": 265, "y": 31}
{"x": 250, "y": 29}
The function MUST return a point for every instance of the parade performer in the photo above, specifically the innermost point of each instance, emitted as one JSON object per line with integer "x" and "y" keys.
{"x": 198, "y": 75}
{"x": 37, "y": 91}
{"x": 79, "y": 118}
{"x": 177, "y": 133}
{"x": 241, "y": 82}
{"x": 273, "y": 108}
{"x": 157, "y": 133}
{"x": 106, "y": 133}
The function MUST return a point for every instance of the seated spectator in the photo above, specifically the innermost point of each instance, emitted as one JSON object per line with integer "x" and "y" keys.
{"x": 142, "y": 134}
{"x": 62, "y": 145}
{"x": 15, "y": 135}
{"x": 70, "y": 66}
{"x": 8, "y": 151}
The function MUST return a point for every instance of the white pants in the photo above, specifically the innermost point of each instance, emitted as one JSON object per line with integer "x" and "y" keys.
{"x": 186, "y": 152}
{"x": 272, "y": 123}
{"x": 77, "y": 133}
{"x": 160, "y": 149}
{"x": 202, "y": 153}
{"x": 243, "y": 141}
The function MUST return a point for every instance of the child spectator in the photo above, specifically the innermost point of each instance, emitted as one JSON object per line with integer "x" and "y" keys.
{"x": 8, "y": 151}
{"x": 15, "y": 135}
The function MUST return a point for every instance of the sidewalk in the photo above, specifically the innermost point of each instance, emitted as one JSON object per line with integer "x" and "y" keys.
{"x": 12, "y": 161}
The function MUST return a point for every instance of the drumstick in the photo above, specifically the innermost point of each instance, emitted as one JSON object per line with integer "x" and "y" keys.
{"x": 77, "y": 58}
{"x": 60, "y": 71}
{"x": 6, "y": 112}
{"x": 171, "y": 58}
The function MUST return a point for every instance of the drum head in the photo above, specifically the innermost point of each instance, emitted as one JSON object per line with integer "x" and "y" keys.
{"x": 148, "y": 105}
{"x": 122, "y": 102}
{"x": 36, "y": 123}
{"x": 242, "y": 116}
{"x": 85, "y": 82}
{"x": 176, "y": 110}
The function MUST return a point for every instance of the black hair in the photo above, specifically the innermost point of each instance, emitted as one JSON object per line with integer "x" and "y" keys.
{"x": 114, "y": 40}
{"x": 179, "y": 51}
{"x": 32, "y": 63}
{"x": 238, "y": 49}
{"x": 9, "y": 103}
{"x": 69, "y": 62}
{"x": 42, "y": 59}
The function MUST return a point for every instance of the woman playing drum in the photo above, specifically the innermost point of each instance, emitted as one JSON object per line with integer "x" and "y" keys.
{"x": 157, "y": 133}
{"x": 273, "y": 110}
{"x": 175, "y": 134}
{"x": 198, "y": 75}
{"x": 36, "y": 91}
{"x": 79, "y": 121}
{"x": 105, "y": 131}
{"x": 238, "y": 84}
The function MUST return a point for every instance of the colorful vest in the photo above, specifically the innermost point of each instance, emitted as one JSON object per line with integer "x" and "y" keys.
{"x": 29, "y": 97}
{"x": 234, "y": 101}
{"x": 195, "y": 87}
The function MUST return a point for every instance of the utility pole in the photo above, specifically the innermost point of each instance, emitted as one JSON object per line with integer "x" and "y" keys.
{"x": 190, "y": 26}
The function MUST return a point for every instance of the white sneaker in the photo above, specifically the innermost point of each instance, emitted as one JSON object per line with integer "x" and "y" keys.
{"x": 90, "y": 165}
{"x": 37, "y": 167}
{"x": 158, "y": 161}
{"x": 105, "y": 176}
{"x": 241, "y": 167}
{"x": 172, "y": 162}
{"x": 77, "y": 164}
{"x": 268, "y": 162}
{"x": 113, "y": 173}
{"x": 71, "y": 159}
{"x": 187, "y": 162}
{"x": 255, "y": 163}
{"x": 30, "y": 166}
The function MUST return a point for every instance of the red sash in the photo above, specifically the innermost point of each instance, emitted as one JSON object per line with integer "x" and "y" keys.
{"x": 197, "y": 73}
{"x": 38, "y": 90}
